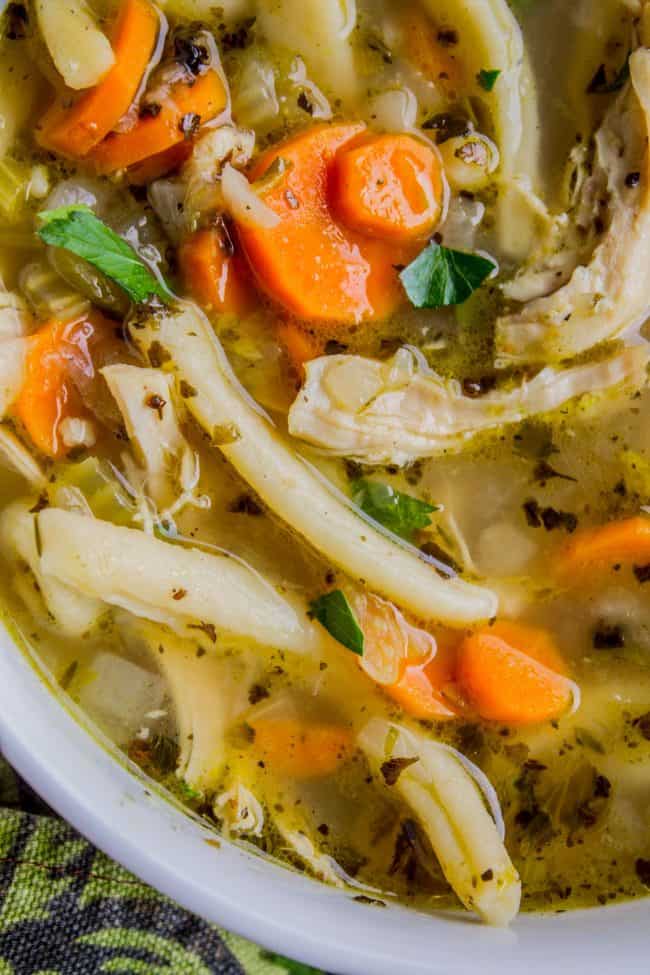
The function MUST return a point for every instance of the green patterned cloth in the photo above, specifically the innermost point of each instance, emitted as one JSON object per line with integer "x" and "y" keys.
{"x": 66, "y": 909}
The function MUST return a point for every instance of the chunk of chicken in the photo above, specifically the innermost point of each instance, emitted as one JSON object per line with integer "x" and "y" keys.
{"x": 581, "y": 299}
{"x": 396, "y": 411}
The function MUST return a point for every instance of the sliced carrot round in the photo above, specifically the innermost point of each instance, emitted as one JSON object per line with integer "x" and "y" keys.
{"x": 390, "y": 187}
{"x": 190, "y": 102}
{"x": 312, "y": 265}
{"x": 219, "y": 280}
{"x": 300, "y": 345}
{"x": 513, "y": 674}
{"x": 301, "y": 751}
{"x": 420, "y": 690}
{"x": 595, "y": 548}
{"x": 160, "y": 165}
{"x": 48, "y": 394}
{"x": 73, "y": 130}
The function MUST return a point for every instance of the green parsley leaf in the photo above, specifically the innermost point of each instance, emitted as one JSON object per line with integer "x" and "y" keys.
{"x": 400, "y": 513}
{"x": 334, "y": 612}
{"x": 488, "y": 79}
{"x": 77, "y": 229}
{"x": 439, "y": 277}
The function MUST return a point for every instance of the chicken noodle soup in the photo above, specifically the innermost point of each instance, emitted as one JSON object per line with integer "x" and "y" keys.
{"x": 324, "y": 442}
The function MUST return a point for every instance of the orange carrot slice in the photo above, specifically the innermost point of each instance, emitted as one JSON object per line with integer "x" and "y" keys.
{"x": 420, "y": 690}
{"x": 219, "y": 281}
{"x": 48, "y": 396}
{"x": 191, "y": 102}
{"x": 513, "y": 674}
{"x": 309, "y": 263}
{"x": 76, "y": 129}
{"x": 300, "y": 345}
{"x": 597, "y": 548}
{"x": 390, "y": 187}
{"x": 160, "y": 165}
{"x": 300, "y": 751}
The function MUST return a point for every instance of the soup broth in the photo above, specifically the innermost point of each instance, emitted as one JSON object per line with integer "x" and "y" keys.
{"x": 325, "y": 445}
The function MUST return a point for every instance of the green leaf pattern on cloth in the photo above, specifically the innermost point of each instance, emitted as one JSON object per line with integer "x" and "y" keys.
{"x": 66, "y": 909}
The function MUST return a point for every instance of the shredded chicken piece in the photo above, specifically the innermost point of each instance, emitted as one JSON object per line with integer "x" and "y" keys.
{"x": 396, "y": 411}
{"x": 593, "y": 283}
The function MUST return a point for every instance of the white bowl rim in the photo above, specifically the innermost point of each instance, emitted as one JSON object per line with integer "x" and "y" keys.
{"x": 273, "y": 907}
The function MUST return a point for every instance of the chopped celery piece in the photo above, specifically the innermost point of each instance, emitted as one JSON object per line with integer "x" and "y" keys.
{"x": 14, "y": 178}
{"x": 101, "y": 490}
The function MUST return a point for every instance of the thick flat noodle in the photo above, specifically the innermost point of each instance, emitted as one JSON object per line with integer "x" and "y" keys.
{"x": 397, "y": 411}
{"x": 489, "y": 37}
{"x": 609, "y": 292}
{"x": 72, "y": 612}
{"x": 167, "y": 583}
{"x": 184, "y": 341}
{"x": 449, "y": 806}
{"x": 319, "y": 31}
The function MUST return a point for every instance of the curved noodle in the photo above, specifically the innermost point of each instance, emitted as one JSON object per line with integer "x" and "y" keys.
{"x": 488, "y": 34}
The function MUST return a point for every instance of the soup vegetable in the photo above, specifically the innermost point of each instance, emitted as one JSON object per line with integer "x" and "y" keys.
{"x": 326, "y": 471}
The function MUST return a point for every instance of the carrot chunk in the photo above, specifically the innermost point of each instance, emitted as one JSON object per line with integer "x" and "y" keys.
{"x": 514, "y": 674}
{"x": 160, "y": 164}
{"x": 309, "y": 263}
{"x": 596, "y": 548}
{"x": 300, "y": 345}
{"x": 48, "y": 394}
{"x": 420, "y": 691}
{"x": 219, "y": 280}
{"x": 190, "y": 103}
{"x": 390, "y": 187}
{"x": 301, "y": 751}
{"x": 75, "y": 130}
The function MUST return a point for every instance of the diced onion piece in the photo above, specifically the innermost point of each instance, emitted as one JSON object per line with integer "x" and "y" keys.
{"x": 395, "y": 110}
{"x": 125, "y": 567}
{"x": 449, "y": 804}
{"x": 77, "y": 432}
{"x": 243, "y": 203}
{"x": 255, "y": 101}
{"x": 82, "y": 54}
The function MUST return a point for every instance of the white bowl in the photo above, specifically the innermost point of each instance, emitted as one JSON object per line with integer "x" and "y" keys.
{"x": 86, "y": 781}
